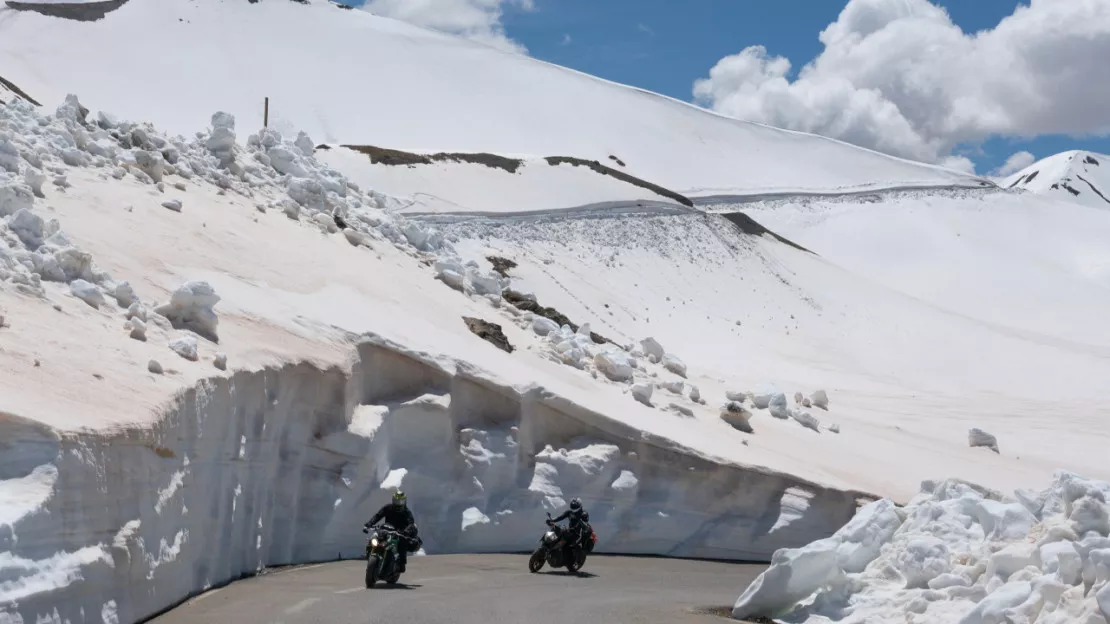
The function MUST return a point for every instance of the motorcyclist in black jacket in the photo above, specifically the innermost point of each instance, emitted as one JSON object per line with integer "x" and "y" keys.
{"x": 397, "y": 515}
{"x": 579, "y": 521}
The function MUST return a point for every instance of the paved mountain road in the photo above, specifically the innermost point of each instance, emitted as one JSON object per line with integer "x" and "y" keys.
{"x": 472, "y": 589}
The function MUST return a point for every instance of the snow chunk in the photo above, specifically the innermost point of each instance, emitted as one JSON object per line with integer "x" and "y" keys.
{"x": 674, "y": 365}
{"x": 472, "y": 516}
{"x": 922, "y": 560}
{"x": 394, "y": 479}
{"x": 190, "y": 307}
{"x": 155, "y": 367}
{"x": 29, "y": 227}
{"x": 86, "y": 292}
{"x": 695, "y": 394}
{"x": 125, "y": 295}
{"x": 993, "y": 609}
{"x": 820, "y": 399}
{"x": 34, "y": 179}
{"x": 794, "y": 575}
{"x": 625, "y": 482}
{"x": 642, "y": 393}
{"x": 543, "y": 325}
{"x": 305, "y": 144}
{"x": 978, "y": 437}
{"x": 221, "y": 142}
{"x": 652, "y": 349}
{"x": 736, "y": 396}
{"x": 804, "y": 419}
{"x": 681, "y": 410}
{"x": 14, "y": 197}
{"x": 614, "y": 365}
{"x": 186, "y": 347}
{"x": 778, "y": 406}
{"x": 137, "y": 329}
{"x": 172, "y": 204}
{"x": 220, "y": 361}
{"x": 151, "y": 163}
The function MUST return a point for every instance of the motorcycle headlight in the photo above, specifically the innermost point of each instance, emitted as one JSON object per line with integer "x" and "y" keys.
{"x": 374, "y": 542}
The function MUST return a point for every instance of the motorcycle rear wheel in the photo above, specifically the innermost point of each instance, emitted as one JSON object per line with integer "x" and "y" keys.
{"x": 536, "y": 561}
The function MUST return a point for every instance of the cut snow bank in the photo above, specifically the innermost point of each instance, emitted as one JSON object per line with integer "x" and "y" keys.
{"x": 282, "y": 465}
{"x": 958, "y": 553}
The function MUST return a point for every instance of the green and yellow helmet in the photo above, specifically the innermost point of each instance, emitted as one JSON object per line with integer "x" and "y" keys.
{"x": 399, "y": 498}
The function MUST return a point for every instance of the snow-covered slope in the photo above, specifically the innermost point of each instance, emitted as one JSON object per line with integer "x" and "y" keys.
{"x": 350, "y": 77}
{"x": 211, "y": 366}
{"x": 1075, "y": 176}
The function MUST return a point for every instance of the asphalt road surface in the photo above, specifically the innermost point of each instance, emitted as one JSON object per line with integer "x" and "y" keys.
{"x": 485, "y": 589}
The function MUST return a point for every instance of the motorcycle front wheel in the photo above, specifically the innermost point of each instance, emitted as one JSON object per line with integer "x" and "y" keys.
{"x": 575, "y": 559}
{"x": 535, "y": 562}
{"x": 372, "y": 565}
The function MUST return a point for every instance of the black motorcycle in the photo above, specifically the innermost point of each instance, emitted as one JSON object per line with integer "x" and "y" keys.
{"x": 382, "y": 547}
{"x": 560, "y": 547}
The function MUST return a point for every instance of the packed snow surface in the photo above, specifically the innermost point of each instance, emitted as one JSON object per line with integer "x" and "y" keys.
{"x": 423, "y": 92}
{"x": 1075, "y": 176}
{"x": 957, "y": 553}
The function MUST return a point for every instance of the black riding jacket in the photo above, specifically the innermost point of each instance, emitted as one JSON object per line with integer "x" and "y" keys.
{"x": 399, "y": 518}
{"x": 578, "y": 519}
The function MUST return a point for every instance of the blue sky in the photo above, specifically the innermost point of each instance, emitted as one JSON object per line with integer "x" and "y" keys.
{"x": 664, "y": 46}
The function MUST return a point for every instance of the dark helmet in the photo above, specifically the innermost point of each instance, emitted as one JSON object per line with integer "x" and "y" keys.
{"x": 575, "y": 504}
{"x": 399, "y": 498}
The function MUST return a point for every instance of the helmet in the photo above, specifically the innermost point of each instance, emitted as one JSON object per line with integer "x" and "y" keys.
{"x": 399, "y": 498}
{"x": 575, "y": 504}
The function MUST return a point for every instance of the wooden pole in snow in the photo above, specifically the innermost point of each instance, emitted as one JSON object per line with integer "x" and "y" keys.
{"x": 266, "y": 114}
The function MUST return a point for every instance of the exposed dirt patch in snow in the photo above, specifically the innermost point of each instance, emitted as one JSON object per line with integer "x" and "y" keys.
{"x": 501, "y": 266}
{"x": 750, "y": 226}
{"x": 490, "y": 332}
{"x": 385, "y": 156}
{"x": 78, "y": 11}
{"x": 620, "y": 175}
{"x": 14, "y": 88}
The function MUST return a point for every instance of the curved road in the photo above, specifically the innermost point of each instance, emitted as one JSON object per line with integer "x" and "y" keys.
{"x": 472, "y": 589}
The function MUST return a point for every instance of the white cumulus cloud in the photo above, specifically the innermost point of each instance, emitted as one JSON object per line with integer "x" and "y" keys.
{"x": 1015, "y": 163}
{"x": 479, "y": 20}
{"x": 898, "y": 76}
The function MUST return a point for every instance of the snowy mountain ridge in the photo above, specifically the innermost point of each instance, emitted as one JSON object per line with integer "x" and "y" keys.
{"x": 1076, "y": 176}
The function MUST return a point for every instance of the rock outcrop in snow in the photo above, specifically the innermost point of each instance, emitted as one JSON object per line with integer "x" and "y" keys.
{"x": 957, "y": 553}
{"x": 980, "y": 438}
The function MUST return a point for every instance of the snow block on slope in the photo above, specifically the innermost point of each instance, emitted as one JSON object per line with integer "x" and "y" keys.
{"x": 674, "y": 365}
{"x": 642, "y": 393}
{"x": 614, "y": 365}
{"x": 543, "y": 325}
{"x": 14, "y": 197}
{"x": 186, "y": 347}
{"x": 652, "y": 349}
{"x": 191, "y": 307}
{"x": 86, "y": 292}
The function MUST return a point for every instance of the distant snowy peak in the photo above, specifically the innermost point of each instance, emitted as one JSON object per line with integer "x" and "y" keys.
{"x": 1075, "y": 176}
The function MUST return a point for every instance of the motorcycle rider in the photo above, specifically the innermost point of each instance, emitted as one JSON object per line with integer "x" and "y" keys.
{"x": 579, "y": 521}
{"x": 397, "y": 515}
